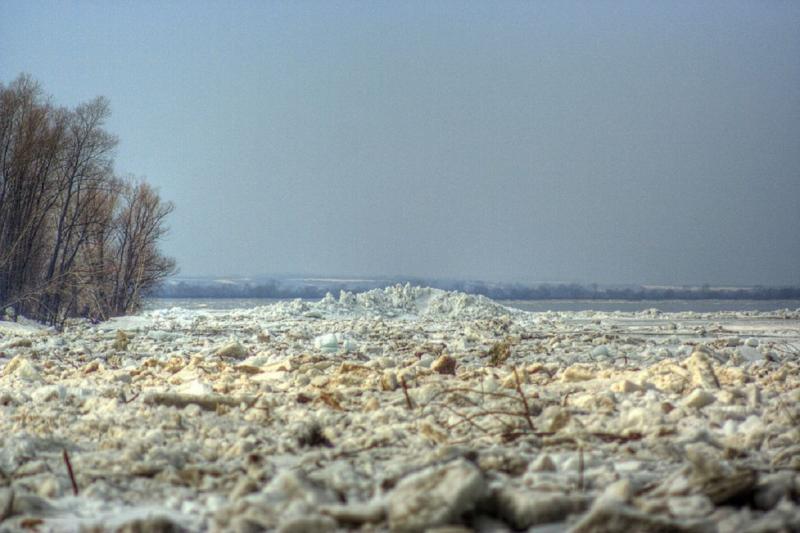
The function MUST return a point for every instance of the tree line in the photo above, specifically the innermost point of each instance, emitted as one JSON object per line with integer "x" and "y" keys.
{"x": 76, "y": 239}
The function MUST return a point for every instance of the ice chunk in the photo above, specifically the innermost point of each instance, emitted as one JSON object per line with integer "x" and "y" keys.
{"x": 435, "y": 496}
{"x": 699, "y": 398}
{"x": 327, "y": 343}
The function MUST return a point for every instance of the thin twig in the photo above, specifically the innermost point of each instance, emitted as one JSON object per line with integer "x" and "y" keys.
{"x": 612, "y": 437}
{"x": 465, "y": 418}
{"x": 405, "y": 393}
{"x": 580, "y": 468}
{"x": 527, "y": 413}
{"x": 470, "y": 418}
{"x": 71, "y": 473}
{"x": 482, "y": 393}
{"x": 129, "y": 400}
{"x": 565, "y": 398}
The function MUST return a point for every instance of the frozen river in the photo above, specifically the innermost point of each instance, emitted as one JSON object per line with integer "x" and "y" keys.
{"x": 403, "y": 409}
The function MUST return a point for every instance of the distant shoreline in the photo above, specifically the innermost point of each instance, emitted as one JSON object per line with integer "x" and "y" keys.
{"x": 315, "y": 288}
{"x": 537, "y": 306}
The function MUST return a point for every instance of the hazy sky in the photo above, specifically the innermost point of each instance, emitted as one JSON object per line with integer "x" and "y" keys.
{"x": 609, "y": 142}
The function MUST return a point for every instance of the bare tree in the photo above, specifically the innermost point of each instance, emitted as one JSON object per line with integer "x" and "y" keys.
{"x": 85, "y": 173}
{"x": 31, "y": 134}
{"x": 75, "y": 240}
{"x": 98, "y": 258}
{"x": 137, "y": 263}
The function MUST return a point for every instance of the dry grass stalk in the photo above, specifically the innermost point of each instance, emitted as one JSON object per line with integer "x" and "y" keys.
{"x": 499, "y": 353}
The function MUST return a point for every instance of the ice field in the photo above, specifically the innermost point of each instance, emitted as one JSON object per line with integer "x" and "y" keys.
{"x": 403, "y": 409}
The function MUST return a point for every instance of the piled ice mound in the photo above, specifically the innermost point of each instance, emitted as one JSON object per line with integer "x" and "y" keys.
{"x": 406, "y": 301}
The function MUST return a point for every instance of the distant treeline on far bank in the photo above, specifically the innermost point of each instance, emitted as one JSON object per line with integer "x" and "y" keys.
{"x": 317, "y": 288}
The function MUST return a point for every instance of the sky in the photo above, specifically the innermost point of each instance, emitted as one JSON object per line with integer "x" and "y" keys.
{"x": 594, "y": 142}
